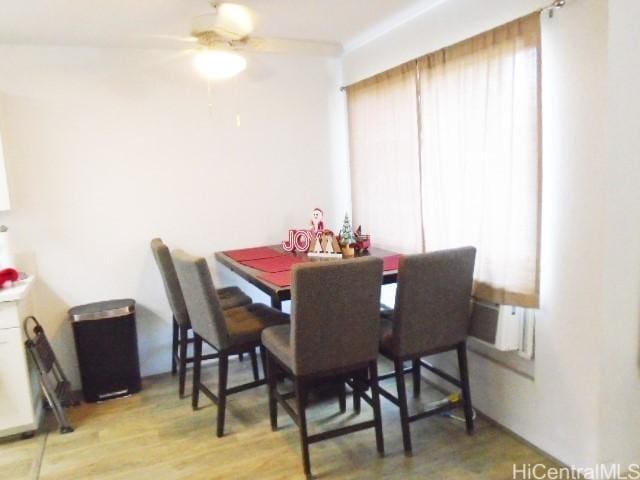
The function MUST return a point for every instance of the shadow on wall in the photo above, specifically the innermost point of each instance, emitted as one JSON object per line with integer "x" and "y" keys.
{"x": 154, "y": 340}
{"x": 153, "y": 320}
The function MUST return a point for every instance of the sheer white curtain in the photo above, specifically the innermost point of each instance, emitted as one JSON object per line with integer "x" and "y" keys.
{"x": 383, "y": 127}
{"x": 480, "y": 154}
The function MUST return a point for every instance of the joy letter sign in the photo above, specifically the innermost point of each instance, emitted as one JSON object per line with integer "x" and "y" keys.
{"x": 299, "y": 240}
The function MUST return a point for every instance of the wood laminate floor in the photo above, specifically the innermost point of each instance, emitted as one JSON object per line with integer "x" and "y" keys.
{"x": 155, "y": 435}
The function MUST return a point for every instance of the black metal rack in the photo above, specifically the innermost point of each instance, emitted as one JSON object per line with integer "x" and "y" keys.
{"x": 53, "y": 382}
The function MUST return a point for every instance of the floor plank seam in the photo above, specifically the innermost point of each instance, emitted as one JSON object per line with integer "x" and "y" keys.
{"x": 36, "y": 466}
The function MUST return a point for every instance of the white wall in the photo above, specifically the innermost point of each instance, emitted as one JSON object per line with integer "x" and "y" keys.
{"x": 448, "y": 22}
{"x": 5, "y": 203}
{"x": 107, "y": 148}
{"x": 580, "y": 407}
{"x": 619, "y": 418}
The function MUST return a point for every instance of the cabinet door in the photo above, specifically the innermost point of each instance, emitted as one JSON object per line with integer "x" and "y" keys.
{"x": 16, "y": 408}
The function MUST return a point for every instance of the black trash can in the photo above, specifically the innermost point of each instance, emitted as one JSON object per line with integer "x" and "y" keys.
{"x": 107, "y": 347}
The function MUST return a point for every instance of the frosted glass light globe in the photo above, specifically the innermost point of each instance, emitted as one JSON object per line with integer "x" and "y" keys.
{"x": 218, "y": 64}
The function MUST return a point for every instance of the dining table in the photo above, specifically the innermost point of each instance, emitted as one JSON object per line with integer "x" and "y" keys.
{"x": 268, "y": 268}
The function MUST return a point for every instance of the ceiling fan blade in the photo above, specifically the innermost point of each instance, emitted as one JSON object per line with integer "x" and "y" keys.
{"x": 164, "y": 41}
{"x": 177, "y": 38}
{"x": 289, "y": 45}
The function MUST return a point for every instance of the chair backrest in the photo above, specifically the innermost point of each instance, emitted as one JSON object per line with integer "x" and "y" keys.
{"x": 433, "y": 300}
{"x": 170, "y": 281}
{"x": 201, "y": 298}
{"x": 335, "y": 314}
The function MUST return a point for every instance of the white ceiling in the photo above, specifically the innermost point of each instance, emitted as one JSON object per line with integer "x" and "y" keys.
{"x": 136, "y": 23}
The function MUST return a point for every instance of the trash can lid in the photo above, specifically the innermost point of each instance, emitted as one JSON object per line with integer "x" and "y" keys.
{"x": 100, "y": 310}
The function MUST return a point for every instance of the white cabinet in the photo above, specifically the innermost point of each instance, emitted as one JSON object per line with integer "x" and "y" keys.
{"x": 20, "y": 398}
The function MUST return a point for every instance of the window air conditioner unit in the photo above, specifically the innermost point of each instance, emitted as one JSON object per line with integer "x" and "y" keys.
{"x": 504, "y": 327}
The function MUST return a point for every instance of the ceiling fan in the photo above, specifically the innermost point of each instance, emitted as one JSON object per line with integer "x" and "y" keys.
{"x": 225, "y": 32}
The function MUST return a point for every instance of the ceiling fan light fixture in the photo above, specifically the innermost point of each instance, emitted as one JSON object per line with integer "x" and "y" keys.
{"x": 219, "y": 64}
{"x": 236, "y": 18}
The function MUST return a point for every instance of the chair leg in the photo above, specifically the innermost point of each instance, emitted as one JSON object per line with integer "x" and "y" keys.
{"x": 174, "y": 347}
{"x": 404, "y": 409}
{"x": 301, "y": 401}
{"x": 263, "y": 359}
{"x": 466, "y": 390}
{"x": 356, "y": 401}
{"x": 254, "y": 364}
{"x": 240, "y": 357}
{"x": 342, "y": 396}
{"x": 197, "y": 360}
{"x": 223, "y": 370}
{"x": 356, "y": 394}
{"x": 182, "y": 359}
{"x": 415, "y": 372}
{"x": 272, "y": 384}
{"x": 375, "y": 397}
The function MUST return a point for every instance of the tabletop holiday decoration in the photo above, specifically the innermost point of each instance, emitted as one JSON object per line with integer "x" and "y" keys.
{"x": 302, "y": 240}
{"x": 347, "y": 238}
{"x": 317, "y": 221}
{"x": 363, "y": 242}
{"x": 326, "y": 246}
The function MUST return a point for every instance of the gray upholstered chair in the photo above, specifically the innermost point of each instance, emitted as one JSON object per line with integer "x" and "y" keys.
{"x": 431, "y": 315}
{"x": 230, "y": 297}
{"x": 230, "y": 331}
{"x": 334, "y": 331}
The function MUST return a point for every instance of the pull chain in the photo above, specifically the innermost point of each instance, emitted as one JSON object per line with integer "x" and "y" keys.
{"x": 209, "y": 98}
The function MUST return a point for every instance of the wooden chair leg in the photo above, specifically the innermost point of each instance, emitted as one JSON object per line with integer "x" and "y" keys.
{"x": 356, "y": 401}
{"x": 356, "y": 395}
{"x": 404, "y": 409}
{"x": 174, "y": 347}
{"x": 272, "y": 384}
{"x": 197, "y": 360}
{"x": 223, "y": 370}
{"x": 301, "y": 401}
{"x": 466, "y": 390}
{"x": 182, "y": 360}
{"x": 342, "y": 396}
{"x": 415, "y": 372}
{"x": 241, "y": 357}
{"x": 375, "y": 397}
{"x": 254, "y": 364}
{"x": 263, "y": 359}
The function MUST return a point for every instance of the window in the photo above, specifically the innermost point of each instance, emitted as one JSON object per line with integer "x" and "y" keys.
{"x": 474, "y": 178}
{"x": 385, "y": 172}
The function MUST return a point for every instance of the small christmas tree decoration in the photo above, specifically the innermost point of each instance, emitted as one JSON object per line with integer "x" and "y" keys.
{"x": 346, "y": 233}
{"x": 318, "y": 245}
{"x": 326, "y": 246}
{"x": 347, "y": 238}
